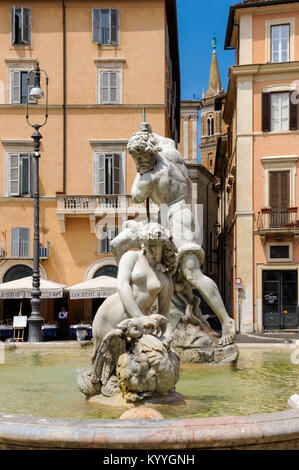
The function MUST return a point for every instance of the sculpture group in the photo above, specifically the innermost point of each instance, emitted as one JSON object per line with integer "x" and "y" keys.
{"x": 154, "y": 308}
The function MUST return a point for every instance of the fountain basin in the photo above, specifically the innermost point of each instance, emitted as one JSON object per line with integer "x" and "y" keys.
{"x": 270, "y": 431}
{"x": 38, "y": 385}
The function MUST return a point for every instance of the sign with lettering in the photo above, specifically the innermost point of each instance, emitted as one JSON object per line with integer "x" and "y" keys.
{"x": 20, "y": 321}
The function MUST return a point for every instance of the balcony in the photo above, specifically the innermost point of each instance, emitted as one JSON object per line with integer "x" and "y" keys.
{"x": 278, "y": 223}
{"x": 99, "y": 206}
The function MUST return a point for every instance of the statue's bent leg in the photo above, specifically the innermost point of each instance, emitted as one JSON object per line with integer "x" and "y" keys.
{"x": 190, "y": 266}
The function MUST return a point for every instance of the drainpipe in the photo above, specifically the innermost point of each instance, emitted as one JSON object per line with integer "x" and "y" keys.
{"x": 64, "y": 98}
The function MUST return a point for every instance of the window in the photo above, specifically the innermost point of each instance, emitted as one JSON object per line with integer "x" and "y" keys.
{"x": 278, "y": 252}
{"x": 279, "y": 113}
{"x": 20, "y": 174}
{"x": 210, "y": 126}
{"x": 20, "y": 242}
{"x": 106, "y": 239}
{"x": 107, "y": 173}
{"x": 105, "y": 25}
{"x": 280, "y": 43}
{"x": 19, "y": 86}
{"x": 279, "y": 190}
{"x": 109, "y": 87}
{"x": 20, "y": 25}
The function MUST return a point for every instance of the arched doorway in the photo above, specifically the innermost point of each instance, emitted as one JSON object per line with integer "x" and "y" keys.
{"x": 108, "y": 270}
{"x": 11, "y": 307}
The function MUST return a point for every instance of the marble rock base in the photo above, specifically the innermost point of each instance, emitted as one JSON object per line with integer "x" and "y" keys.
{"x": 117, "y": 401}
{"x": 227, "y": 355}
{"x": 293, "y": 401}
{"x": 199, "y": 347}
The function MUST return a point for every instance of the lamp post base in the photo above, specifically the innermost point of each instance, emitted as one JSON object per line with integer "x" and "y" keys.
{"x": 35, "y": 329}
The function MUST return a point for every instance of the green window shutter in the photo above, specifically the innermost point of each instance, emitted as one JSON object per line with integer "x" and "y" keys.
{"x": 15, "y": 86}
{"x": 114, "y": 26}
{"x": 13, "y": 24}
{"x": 266, "y": 112}
{"x": 14, "y": 175}
{"x": 96, "y": 25}
{"x": 25, "y": 25}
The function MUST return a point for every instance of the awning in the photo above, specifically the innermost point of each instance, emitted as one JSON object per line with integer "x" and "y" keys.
{"x": 22, "y": 288}
{"x": 102, "y": 287}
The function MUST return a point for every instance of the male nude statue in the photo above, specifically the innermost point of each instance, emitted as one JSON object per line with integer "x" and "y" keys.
{"x": 163, "y": 176}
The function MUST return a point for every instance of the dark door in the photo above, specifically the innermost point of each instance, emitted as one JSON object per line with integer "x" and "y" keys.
{"x": 280, "y": 300}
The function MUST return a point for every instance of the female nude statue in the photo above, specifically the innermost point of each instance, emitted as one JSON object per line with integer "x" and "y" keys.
{"x": 143, "y": 277}
{"x": 163, "y": 176}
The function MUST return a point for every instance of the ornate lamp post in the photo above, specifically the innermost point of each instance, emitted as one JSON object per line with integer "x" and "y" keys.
{"x": 35, "y": 320}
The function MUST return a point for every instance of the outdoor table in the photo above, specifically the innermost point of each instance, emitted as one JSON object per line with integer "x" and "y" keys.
{"x": 74, "y": 328}
{"x": 6, "y": 331}
{"x": 49, "y": 331}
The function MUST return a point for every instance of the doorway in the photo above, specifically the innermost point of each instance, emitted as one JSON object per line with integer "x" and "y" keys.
{"x": 280, "y": 300}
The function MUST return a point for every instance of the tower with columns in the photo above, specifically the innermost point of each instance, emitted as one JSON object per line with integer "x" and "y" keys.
{"x": 211, "y": 115}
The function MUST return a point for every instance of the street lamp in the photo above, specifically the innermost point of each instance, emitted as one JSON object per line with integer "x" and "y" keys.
{"x": 35, "y": 320}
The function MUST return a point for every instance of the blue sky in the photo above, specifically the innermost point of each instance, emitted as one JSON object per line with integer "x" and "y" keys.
{"x": 197, "y": 21}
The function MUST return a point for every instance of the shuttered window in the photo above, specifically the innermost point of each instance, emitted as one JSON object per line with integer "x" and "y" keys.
{"x": 279, "y": 112}
{"x": 19, "y": 84}
{"x": 109, "y": 84}
{"x": 20, "y": 242}
{"x": 107, "y": 173}
{"x": 20, "y": 174}
{"x": 106, "y": 238}
{"x": 20, "y": 25}
{"x": 105, "y": 25}
{"x": 280, "y": 43}
{"x": 279, "y": 190}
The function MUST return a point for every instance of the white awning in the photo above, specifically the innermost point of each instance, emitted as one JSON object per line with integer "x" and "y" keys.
{"x": 22, "y": 288}
{"x": 99, "y": 287}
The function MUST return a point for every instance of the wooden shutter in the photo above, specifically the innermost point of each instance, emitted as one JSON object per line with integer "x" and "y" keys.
{"x": 25, "y": 174}
{"x": 116, "y": 173}
{"x": 31, "y": 181}
{"x": 15, "y": 242}
{"x": 14, "y": 175}
{"x": 266, "y": 112}
{"x": 30, "y": 84}
{"x": 104, "y": 83}
{"x": 293, "y": 111}
{"x": 96, "y": 25}
{"x": 15, "y": 86}
{"x": 24, "y": 242}
{"x": 279, "y": 190}
{"x": 13, "y": 24}
{"x": 25, "y": 25}
{"x": 113, "y": 87}
{"x": 113, "y": 30}
{"x": 99, "y": 173}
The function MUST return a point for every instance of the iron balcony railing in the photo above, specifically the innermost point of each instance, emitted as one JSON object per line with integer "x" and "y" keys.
{"x": 275, "y": 219}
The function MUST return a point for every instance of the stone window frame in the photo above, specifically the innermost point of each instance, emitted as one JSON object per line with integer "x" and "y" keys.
{"x": 108, "y": 147}
{"x": 278, "y": 22}
{"x": 15, "y": 64}
{"x": 14, "y": 147}
{"x": 109, "y": 65}
{"x": 280, "y": 163}
{"x": 279, "y": 260}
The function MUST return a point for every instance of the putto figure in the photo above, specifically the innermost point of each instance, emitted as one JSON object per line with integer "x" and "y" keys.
{"x": 163, "y": 176}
